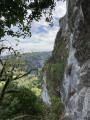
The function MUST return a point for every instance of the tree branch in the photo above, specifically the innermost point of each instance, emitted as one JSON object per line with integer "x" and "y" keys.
{"x": 12, "y": 91}
{"x": 27, "y": 116}
{"x": 21, "y": 117}
{"x": 6, "y": 48}
{"x": 5, "y": 86}
{"x": 1, "y": 62}
{"x": 3, "y": 69}
{"x": 18, "y": 77}
{"x": 11, "y": 78}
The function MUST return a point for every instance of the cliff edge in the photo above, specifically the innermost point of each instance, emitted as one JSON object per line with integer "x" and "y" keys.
{"x": 68, "y": 73}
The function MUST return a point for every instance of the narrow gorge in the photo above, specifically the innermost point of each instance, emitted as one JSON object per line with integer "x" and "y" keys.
{"x": 68, "y": 69}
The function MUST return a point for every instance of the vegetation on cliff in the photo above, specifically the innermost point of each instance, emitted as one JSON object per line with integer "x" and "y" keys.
{"x": 56, "y": 64}
{"x": 55, "y": 67}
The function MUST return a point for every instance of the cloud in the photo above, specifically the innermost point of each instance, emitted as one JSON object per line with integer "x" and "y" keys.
{"x": 39, "y": 42}
{"x": 60, "y": 9}
{"x": 43, "y": 36}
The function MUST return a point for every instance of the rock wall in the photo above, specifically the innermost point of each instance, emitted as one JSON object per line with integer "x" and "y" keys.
{"x": 75, "y": 92}
{"x": 45, "y": 95}
{"x": 72, "y": 45}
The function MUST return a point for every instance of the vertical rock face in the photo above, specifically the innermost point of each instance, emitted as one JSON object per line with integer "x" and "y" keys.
{"x": 75, "y": 91}
{"x": 45, "y": 95}
{"x": 72, "y": 48}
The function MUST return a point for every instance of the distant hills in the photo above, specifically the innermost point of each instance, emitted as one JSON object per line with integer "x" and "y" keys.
{"x": 38, "y": 58}
{"x": 35, "y": 59}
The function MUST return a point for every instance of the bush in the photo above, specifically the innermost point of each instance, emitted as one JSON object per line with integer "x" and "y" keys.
{"x": 57, "y": 108}
{"x": 57, "y": 71}
{"x": 55, "y": 77}
{"x": 23, "y": 103}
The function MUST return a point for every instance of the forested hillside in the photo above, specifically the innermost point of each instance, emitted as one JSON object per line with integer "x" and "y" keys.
{"x": 22, "y": 96}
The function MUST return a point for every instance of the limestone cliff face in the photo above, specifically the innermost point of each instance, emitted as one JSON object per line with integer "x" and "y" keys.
{"x": 74, "y": 38}
{"x": 76, "y": 85}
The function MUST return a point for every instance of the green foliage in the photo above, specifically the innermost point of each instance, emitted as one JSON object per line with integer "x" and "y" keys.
{"x": 31, "y": 81}
{"x": 56, "y": 64}
{"x": 55, "y": 74}
{"x": 28, "y": 100}
{"x": 24, "y": 102}
{"x": 34, "y": 82}
{"x": 57, "y": 71}
{"x": 16, "y": 12}
{"x": 57, "y": 108}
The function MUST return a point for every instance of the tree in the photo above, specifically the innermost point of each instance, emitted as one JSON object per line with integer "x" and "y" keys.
{"x": 14, "y": 67}
{"x": 15, "y": 13}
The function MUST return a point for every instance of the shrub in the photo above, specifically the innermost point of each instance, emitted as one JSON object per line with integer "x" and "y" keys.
{"x": 57, "y": 71}
{"x": 23, "y": 103}
{"x": 57, "y": 108}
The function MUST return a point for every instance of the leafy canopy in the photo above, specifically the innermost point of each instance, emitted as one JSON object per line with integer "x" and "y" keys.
{"x": 22, "y": 13}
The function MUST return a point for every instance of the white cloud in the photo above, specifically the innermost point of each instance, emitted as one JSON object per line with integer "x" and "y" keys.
{"x": 60, "y": 9}
{"x": 42, "y": 46}
{"x": 42, "y": 40}
{"x": 39, "y": 42}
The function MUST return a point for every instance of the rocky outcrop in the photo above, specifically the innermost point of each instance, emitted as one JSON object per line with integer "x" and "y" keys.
{"x": 45, "y": 95}
{"x": 75, "y": 92}
{"x": 73, "y": 43}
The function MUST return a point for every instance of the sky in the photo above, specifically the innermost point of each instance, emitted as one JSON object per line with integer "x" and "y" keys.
{"x": 43, "y": 35}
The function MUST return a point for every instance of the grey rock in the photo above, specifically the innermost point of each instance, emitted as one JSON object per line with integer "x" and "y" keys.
{"x": 75, "y": 91}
